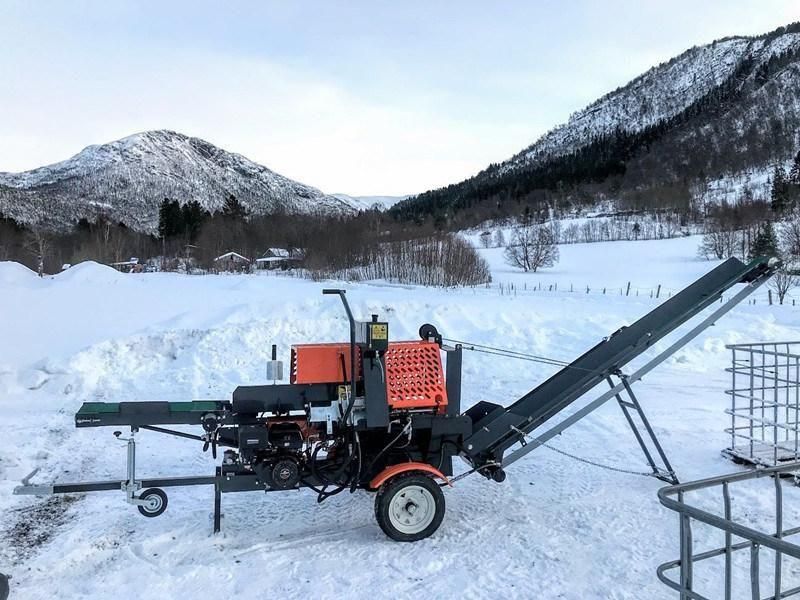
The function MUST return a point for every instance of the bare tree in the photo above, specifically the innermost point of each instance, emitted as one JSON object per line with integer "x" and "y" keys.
{"x": 499, "y": 239}
{"x": 790, "y": 234}
{"x": 722, "y": 238}
{"x": 783, "y": 281}
{"x": 486, "y": 239}
{"x": 37, "y": 243}
{"x": 532, "y": 247}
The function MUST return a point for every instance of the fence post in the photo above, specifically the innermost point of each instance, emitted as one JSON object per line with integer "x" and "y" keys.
{"x": 658, "y": 290}
{"x": 604, "y": 291}
{"x": 628, "y": 291}
{"x": 769, "y": 295}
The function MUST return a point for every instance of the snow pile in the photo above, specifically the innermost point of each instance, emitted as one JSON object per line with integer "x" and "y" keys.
{"x": 89, "y": 272}
{"x": 15, "y": 274}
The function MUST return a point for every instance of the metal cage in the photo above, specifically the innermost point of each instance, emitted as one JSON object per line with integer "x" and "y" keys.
{"x": 774, "y": 574}
{"x": 765, "y": 403}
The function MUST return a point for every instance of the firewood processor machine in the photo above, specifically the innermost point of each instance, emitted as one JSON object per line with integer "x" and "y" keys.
{"x": 385, "y": 416}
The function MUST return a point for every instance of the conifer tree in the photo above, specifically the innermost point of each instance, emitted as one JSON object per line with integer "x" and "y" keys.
{"x": 780, "y": 197}
{"x": 765, "y": 243}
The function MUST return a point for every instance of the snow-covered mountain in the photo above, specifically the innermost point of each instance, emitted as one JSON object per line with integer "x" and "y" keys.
{"x": 370, "y": 202}
{"x": 126, "y": 181}
{"x": 658, "y": 95}
{"x": 717, "y": 117}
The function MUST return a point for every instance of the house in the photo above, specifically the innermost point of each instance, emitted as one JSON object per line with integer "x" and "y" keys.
{"x": 279, "y": 258}
{"x": 232, "y": 261}
{"x": 128, "y": 266}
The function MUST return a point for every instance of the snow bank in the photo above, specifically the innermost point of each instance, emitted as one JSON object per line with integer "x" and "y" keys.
{"x": 14, "y": 273}
{"x": 89, "y": 272}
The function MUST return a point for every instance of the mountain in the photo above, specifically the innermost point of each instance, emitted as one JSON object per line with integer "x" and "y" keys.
{"x": 370, "y": 202}
{"x": 126, "y": 181}
{"x": 708, "y": 125}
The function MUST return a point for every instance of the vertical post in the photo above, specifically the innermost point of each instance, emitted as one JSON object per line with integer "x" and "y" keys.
{"x": 453, "y": 382}
{"x": 755, "y": 591}
{"x": 769, "y": 295}
{"x": 131, "y": 459}
{"x": 778, "y": 532}
{"x": 796, "y": 402}
{"x": 726, "y": 497}
{"x": 734, "y": 366}
{"x": 218, "y": 500}
{"x": 752, "y": 400}
{"x": 686, "y": 552}
{"x": 628, "y": 290}
{"x": 658, "y": 290}
{"x": 776, "y": 375}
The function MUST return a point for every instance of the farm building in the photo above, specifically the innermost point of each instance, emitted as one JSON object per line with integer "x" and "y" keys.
{"x": 279, "y": 258}
{"x": 232, "y": 261}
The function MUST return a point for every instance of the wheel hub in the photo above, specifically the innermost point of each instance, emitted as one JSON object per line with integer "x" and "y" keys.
{"x": 412, "y": 509}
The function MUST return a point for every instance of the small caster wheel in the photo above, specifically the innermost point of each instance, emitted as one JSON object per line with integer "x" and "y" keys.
{"x": 428, "y": 331}
{"x": 155, "y": 502}
{"x": 409, "y": 507}
{"x": 498, "y": 475}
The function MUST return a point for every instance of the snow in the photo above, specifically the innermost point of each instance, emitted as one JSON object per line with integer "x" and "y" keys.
{"x": 15, "y": 274}
{"x": 557, "y": 528}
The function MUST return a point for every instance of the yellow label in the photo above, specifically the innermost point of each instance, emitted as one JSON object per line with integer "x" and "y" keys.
{"x": 380, "y": 331}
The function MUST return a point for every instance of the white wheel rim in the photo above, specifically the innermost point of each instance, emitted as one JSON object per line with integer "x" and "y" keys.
{"x": 154, "y": 503}
{"x": 412, "y": 509}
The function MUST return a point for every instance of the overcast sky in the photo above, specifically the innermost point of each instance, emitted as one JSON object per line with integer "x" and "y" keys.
{"x": 357, "y": 97}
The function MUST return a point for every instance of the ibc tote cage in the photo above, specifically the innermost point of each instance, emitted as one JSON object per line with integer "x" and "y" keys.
{"x": 765, "y": 403}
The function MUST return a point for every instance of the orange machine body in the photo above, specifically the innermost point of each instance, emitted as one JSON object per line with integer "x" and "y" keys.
{"x": 414, "y": 374}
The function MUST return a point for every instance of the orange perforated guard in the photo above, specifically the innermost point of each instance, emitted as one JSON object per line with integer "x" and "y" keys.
{"x": 414, "y": 376}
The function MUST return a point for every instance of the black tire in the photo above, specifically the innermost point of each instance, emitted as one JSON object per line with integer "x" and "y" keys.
{"x": 159, "y": 500}
{"x": 420, "y": 492}
{"x": 428, "y": 331}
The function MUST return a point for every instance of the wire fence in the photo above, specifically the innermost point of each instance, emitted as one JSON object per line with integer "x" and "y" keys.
{"x": 658, "y": 292}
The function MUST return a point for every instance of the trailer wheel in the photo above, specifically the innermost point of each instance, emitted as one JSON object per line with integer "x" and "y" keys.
{"x": 409, "y": 507}
{"x": 156, "y": 500}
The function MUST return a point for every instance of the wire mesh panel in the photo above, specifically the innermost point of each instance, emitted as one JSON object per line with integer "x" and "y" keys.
{"x": 765, "y": 403}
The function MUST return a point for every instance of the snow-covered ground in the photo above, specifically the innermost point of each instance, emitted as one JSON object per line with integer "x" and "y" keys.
{"x": 557, "y": 528}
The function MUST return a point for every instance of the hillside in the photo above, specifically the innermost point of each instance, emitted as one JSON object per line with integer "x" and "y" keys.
{"x": 126, "y": 181}
{"x": 717, "y": 116}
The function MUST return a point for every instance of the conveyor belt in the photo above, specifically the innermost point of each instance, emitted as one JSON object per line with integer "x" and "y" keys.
{"x": 496, "y": 428}
{"x": 137, "y": 414}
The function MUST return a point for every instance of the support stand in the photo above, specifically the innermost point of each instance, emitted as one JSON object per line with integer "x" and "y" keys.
{"x": 218, "y": 501}
{"x": 664, "y": 472}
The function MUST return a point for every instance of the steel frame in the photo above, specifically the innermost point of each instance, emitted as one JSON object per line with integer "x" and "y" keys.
{"x": 765, "y": 403}
{"x": 674, "y": 498}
